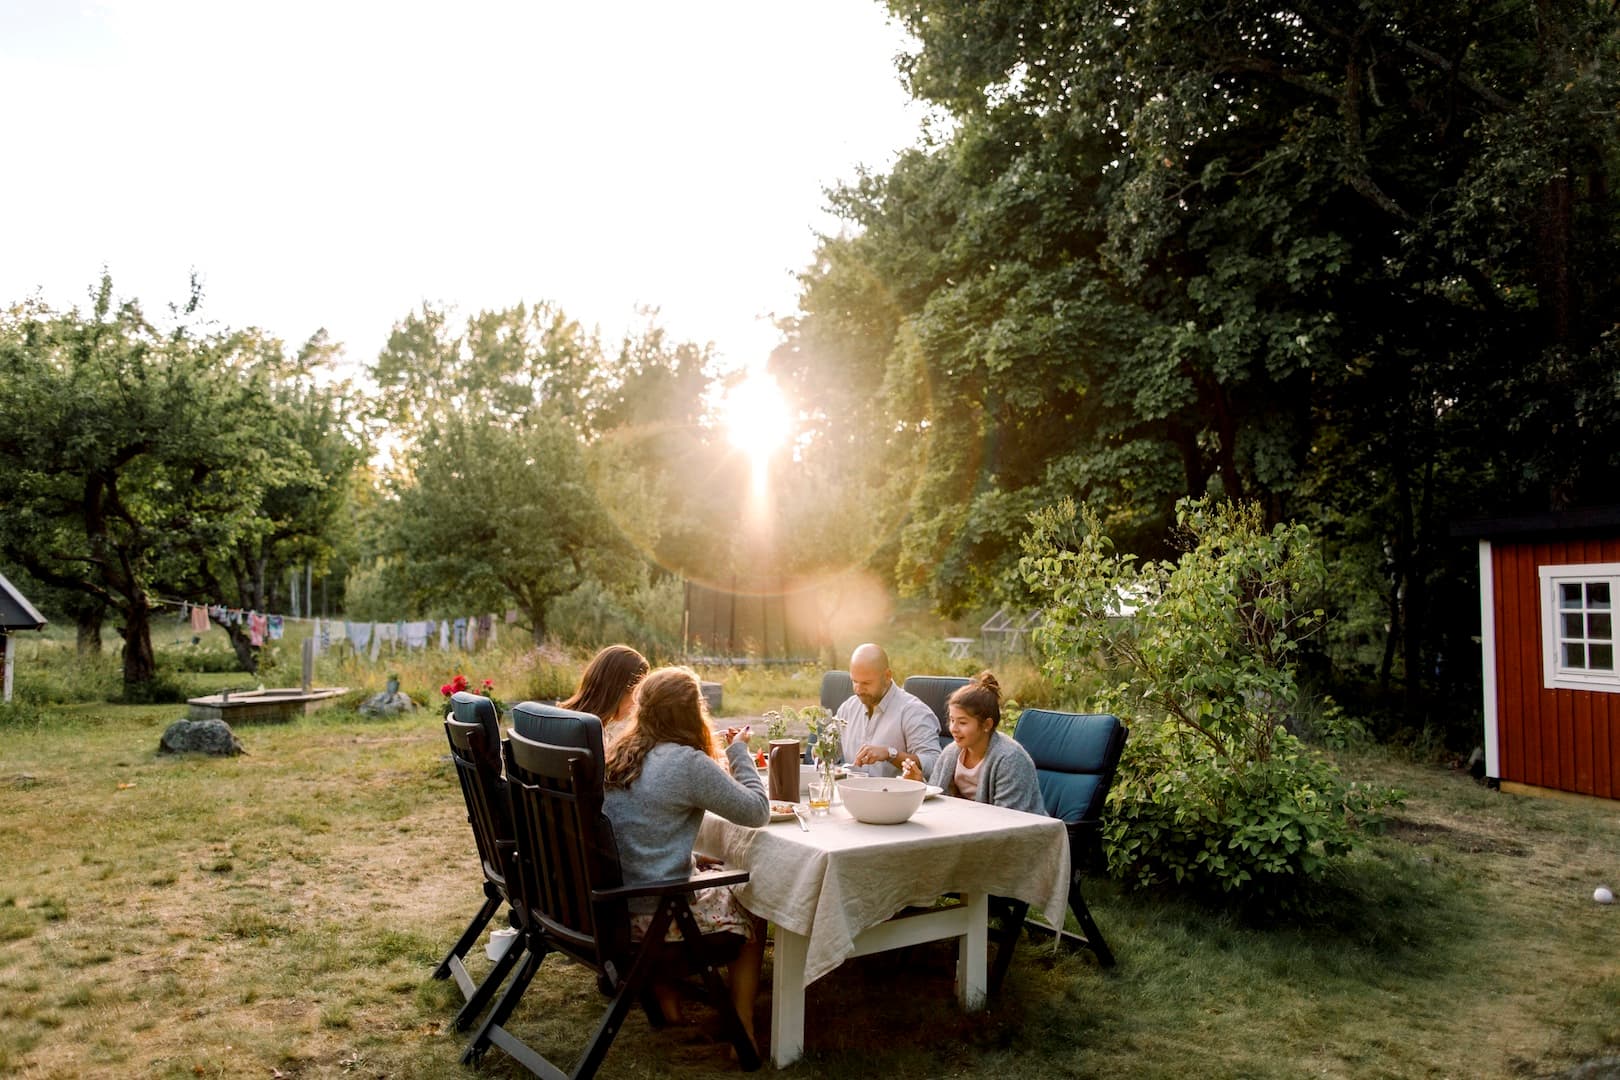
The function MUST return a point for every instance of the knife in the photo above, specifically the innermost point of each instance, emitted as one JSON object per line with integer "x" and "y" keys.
{"x": 798, "y": 815}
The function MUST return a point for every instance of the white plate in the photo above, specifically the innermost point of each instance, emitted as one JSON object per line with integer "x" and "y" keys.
{"x": 932, "y": 791}
{"x": 781, "y": 815}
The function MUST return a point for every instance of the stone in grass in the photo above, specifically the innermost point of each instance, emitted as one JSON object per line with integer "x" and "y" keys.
{"x": 200, "y": 737}
{"x": 386, "y": 704}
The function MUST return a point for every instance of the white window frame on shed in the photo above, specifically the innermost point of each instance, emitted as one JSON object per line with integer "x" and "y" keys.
{"x": 1556, "y": 672}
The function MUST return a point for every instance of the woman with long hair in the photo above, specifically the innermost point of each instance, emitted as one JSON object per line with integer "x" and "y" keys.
{"x": 981, "y": 763}
{"x": 607, "y": 689}
{"x": 664, "y": 768}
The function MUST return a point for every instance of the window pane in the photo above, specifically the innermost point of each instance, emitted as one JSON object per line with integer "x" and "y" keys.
{"x": 1597, "y": 595}
{"x": 1602, "y": 657}
{"x": 1572, "y": 625}
{"x": 1599, "y": 627}
{"x": 1574, "y": 656}
{"x": 1569, "y": 596}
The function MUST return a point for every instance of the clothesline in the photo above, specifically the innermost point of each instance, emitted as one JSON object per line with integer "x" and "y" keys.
{"x": 466, "y": 632}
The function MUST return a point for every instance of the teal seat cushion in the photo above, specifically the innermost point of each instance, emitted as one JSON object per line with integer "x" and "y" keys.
{"x": 1075, "y": 755}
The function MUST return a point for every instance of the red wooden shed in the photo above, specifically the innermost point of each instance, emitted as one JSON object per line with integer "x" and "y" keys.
{"x": 1549, "y": 586}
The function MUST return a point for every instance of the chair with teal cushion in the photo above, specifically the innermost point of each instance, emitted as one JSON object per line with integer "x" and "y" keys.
{"x": 1076, "y": 756}
{"x": 935, "y": 691}
{"x": 836, "y": 688}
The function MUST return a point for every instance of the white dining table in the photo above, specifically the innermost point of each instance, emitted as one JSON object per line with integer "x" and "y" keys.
{"x": 832, "y": 892}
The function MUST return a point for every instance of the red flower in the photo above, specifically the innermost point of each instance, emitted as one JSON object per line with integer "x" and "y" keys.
{"x": 445, "y": 690}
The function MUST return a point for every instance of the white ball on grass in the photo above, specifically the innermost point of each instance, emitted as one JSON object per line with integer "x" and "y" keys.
{"x": 1602, "y": 895}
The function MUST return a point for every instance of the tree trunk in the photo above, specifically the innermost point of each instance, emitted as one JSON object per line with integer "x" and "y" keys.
{"x": 247, "y": 657}
{"x": 89, "y": 637}
{"x": 140, "y": 666}
{"x": 537, "y": 622}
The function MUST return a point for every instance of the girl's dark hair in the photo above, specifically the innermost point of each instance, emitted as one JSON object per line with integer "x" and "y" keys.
{"x": 669, "y": 708}
{"x": 610, "y": 675}
{"x": 980, "y": 698}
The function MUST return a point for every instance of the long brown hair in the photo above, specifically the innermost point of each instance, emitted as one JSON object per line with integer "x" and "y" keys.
{"x": 610, "y": 675}
{"x": 980, "y": 698}
{"x": 669, "y": 709}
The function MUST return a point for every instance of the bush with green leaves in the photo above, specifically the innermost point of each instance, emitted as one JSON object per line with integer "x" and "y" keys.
{"x": 1198, "y": 656}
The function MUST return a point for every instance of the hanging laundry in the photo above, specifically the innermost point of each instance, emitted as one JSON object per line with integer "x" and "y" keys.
{"x": 315, "y": 635}
{"x": 376, "y": 643}
{"x": 444, "y": 636}
{"x": 486, "y": 630}
{"x": 258, "y": 625}
{"x": 472, "y": 632}
{"x": 199, "y": 620}
{"x": 416, "y": 634}
{"x": 276, "y": 628}
{"x": 326, "y": 635}
{"x": 359, "y": 634}
{"x": 461, "y": 633}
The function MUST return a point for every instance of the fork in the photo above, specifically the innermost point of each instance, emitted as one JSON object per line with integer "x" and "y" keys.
{"x": 798, "y": 815}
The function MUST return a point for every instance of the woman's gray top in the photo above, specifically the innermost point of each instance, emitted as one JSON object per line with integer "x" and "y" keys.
{"x": 1006, "y": 776}
{"x": 655, "y": 820}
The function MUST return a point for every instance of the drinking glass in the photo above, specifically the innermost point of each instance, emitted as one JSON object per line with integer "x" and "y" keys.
{"x": 821, "y": 795}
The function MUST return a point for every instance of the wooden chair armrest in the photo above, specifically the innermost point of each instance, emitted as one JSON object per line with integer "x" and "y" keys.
{"x": 673, "y": 885}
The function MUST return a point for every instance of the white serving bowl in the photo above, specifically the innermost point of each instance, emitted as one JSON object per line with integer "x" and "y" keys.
{"x": 882, "y": 800}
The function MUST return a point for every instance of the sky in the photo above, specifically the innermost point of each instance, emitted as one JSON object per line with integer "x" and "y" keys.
{"x": 335, "y": 164}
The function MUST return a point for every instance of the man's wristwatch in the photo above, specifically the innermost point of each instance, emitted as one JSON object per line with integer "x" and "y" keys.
{"x": 894, "y": 755}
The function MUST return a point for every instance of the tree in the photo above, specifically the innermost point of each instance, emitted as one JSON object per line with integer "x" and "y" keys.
{"x": 493, "y": 517}
{"x": 304, "y": 516}
{"x": 128, "y": 453}
{"x": 1354, "y": 262}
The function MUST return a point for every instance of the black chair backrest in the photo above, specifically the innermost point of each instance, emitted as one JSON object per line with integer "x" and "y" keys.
{"x": 559, "y": 727}
{"x": 935, "y": 691}
{"x": 836, "y": 688}
{"x": 478, "y": 767}
{"x": 476, "y": 709}
{"x": 1075, "y": 755}
{"x": 565, "y": 846}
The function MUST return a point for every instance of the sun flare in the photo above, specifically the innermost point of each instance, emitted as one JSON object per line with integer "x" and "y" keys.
{"x": 757, "y": 417}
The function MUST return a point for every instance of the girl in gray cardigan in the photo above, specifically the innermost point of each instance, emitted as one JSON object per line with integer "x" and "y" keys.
{"x": 981, "y": 763}
{"x": 663, "y": 770}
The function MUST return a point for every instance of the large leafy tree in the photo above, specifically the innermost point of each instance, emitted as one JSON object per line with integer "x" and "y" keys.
{"x": 305, "y": 516}
{"x": 494, "y": 517}
{"x": 130, "y": 454}
{"x": 1355, "y": 262}
{"x": 525, "y": 460}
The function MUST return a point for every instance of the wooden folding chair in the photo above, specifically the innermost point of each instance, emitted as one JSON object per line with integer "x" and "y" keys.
{"x": 935, "y": 691}
{"x": 568, "y": 897}
{"x": 473, "y": 730}
{"x": 1076, "y": 756}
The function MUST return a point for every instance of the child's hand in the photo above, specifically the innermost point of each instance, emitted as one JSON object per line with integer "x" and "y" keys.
{"x": 733, "y": 734}
{"x": 910, "y": 771}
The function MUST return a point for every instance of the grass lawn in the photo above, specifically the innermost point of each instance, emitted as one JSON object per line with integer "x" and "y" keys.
{"x": 278, "y": 915}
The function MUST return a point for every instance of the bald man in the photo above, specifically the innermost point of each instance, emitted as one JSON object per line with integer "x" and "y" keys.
{"x": 884, "y": 726}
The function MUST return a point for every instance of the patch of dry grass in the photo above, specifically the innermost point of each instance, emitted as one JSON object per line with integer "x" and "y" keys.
{"x": 281, "y": 912}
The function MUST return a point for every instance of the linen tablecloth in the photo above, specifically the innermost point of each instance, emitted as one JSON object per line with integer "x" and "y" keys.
{"x": 844, "y": 876}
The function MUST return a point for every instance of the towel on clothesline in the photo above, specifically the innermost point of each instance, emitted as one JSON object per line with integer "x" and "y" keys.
{"x": 276, "y": 628}
{"x": 199, "y": 620}
{"x": 258, "y": 626}
{"x": 358, "y": 633}
{"x": 416, "y": 634}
